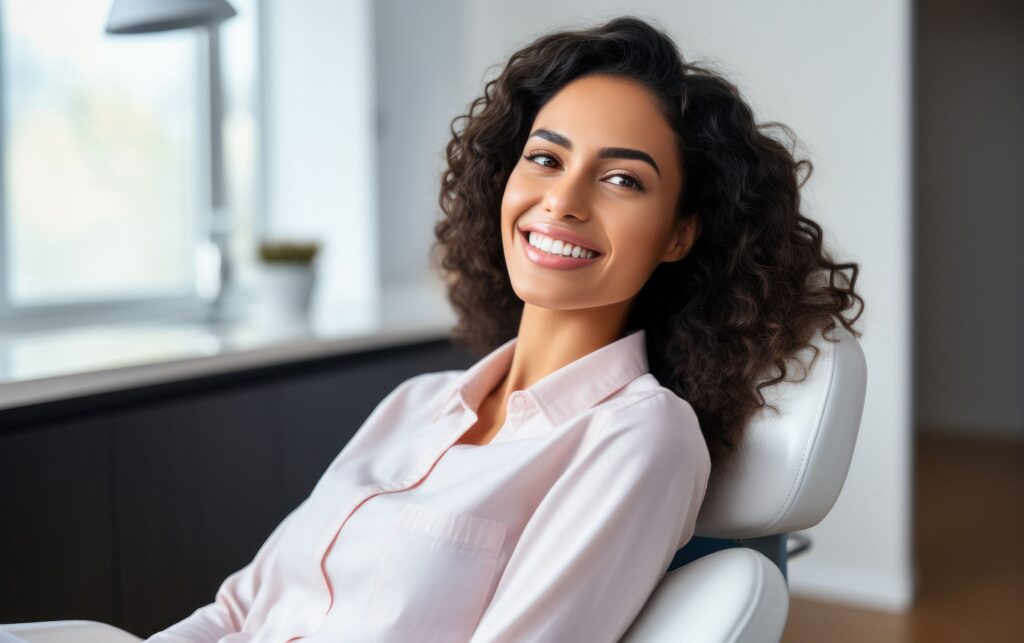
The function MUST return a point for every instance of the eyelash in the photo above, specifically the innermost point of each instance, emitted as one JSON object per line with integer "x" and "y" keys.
{"x": 638, "y": 184}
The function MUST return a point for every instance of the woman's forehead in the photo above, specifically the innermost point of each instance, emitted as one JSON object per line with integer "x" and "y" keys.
{"x": 602, "y": 111}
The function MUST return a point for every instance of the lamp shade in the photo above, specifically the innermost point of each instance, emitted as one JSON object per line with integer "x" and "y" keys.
{"x": 147, "y": 16}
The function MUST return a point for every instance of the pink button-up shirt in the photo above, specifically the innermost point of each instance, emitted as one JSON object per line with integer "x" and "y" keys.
{"x": 557, "y": 530}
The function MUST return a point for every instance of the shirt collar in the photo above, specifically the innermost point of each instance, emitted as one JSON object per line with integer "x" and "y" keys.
{"x": 560, "y": 395}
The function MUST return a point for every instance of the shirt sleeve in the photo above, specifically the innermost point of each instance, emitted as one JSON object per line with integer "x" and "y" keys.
{"x": 605, "y": 534}
{"x": 236, "y": 595}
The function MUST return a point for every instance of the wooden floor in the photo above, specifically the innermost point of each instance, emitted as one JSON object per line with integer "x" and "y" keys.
{"x": 969, "y": 548}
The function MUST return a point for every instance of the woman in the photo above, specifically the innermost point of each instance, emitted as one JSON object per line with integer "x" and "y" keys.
{"x": 624, "y": 245}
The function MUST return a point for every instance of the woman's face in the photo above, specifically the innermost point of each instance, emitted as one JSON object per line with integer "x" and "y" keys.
{"x": 599, "y": 168}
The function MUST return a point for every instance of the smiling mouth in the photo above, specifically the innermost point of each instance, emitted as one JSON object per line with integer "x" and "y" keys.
{"x": 525, "y": 234}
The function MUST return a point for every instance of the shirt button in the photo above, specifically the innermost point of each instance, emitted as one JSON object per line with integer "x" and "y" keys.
{"x": 518, "y": 401}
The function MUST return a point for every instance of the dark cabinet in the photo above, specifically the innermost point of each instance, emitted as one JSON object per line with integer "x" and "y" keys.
{"x": 135, "y": 511}
{"x": 57, "y": 546}
{"x": 198, "y": 488}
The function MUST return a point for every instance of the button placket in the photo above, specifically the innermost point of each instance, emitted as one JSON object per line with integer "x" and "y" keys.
{"x": 416, "y": 474}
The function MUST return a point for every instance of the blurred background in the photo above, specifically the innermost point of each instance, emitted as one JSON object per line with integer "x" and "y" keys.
{"x": 139, "y": 182}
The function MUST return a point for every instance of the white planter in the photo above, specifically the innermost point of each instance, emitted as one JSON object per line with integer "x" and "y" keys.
{"x": 284, "y": 290}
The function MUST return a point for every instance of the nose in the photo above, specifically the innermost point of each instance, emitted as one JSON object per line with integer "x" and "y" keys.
{"x": 567, "y": 195}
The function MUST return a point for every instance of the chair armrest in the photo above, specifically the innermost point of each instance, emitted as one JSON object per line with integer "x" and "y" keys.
{"x": 64, "y": 632}
{"x": 733, "y": 595}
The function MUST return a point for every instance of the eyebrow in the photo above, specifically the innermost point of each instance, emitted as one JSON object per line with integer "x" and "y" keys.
{"x": 603, "y": 153}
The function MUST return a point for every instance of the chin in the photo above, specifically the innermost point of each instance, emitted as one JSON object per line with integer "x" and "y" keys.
{"x": 548, "y": 299}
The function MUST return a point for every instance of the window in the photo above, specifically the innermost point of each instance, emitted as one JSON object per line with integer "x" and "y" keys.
{"x": 102, "y": 170}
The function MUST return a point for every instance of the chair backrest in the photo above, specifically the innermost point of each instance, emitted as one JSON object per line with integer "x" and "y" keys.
{"x": 792, "y": 464}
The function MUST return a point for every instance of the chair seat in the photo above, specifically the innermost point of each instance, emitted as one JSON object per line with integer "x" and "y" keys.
{"x": 729, "y": 596}
{"x": 64, "y": 632}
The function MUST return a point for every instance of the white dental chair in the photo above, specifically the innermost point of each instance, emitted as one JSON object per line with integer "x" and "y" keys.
{"x": 790, "y": 470}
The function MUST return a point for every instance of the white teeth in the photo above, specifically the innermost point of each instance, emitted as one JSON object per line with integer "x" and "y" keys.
{"x": 558, "y": 247}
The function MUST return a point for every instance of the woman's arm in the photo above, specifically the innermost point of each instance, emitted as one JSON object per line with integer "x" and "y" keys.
{"x": 603, "y": 537}
{"x": 226, "y": 614}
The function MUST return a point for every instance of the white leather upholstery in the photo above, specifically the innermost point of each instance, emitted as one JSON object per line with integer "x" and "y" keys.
{"x": 729, "y": 596}
{"x": 64, "y": 632}
{"x": 791, "y": 467}
{"x": 793, "y": 464}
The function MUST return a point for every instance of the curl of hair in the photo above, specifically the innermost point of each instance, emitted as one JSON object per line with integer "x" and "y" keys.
{"x": 724, "y": 322}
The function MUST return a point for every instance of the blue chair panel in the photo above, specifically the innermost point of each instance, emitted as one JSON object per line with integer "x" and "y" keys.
{"x": 773, "y": 547}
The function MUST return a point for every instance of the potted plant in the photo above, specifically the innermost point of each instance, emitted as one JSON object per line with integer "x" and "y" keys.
{"x": 287, "y": 273}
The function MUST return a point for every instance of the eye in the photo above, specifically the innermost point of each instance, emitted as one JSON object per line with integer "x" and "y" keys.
{"x": 532, "y": 155}
{"x": 632, "y": 182}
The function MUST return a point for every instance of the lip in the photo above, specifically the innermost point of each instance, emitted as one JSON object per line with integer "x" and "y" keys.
{"x": 549, "y": 260}
{"x": 561, "y": 234}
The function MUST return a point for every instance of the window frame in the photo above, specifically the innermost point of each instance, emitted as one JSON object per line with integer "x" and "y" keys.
{"x": 188, "y": 307}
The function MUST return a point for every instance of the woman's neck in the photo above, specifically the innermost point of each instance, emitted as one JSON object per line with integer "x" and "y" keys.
{"x": 550, "y": 339}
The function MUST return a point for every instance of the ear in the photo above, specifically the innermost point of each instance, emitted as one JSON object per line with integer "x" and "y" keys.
{"x": 683, "y": 237}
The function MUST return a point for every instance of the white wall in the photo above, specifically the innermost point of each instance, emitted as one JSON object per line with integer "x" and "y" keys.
{"x": 321, "y": 146}
{"x": 417, "y": 50}
{"x": 839, "y": 75}
{"x": 970, "y": 218}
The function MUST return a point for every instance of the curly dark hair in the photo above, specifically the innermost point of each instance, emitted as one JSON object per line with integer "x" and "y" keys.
{"x": 722, "y": 323}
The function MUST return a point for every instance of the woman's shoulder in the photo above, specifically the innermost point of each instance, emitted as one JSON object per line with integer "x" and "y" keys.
{"x": 433, "y": 379}
{"x": 431, "y": 384}
{"x": 649, "y": 412}
{"x": 646, "y": 395}
{"x": 425, "y": 389}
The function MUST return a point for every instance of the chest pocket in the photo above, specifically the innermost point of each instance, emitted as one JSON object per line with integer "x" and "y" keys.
{"x": 434, "y": 575}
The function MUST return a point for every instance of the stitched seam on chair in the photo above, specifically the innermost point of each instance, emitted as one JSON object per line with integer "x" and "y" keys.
{"x": 746, "y": 617}
{"x": 798, "y": 479}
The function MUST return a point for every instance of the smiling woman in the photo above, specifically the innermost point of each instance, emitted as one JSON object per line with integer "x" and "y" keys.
{"x": 541, "y": 494}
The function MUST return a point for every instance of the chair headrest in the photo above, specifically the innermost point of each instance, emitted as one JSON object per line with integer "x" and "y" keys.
{"x": 791, "y": 465}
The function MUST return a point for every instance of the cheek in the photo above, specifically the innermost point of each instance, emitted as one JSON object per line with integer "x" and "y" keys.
{"x": 517, "y": 197}
{"x": 635, "y": 228}
{"x": 637, "y": 248}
